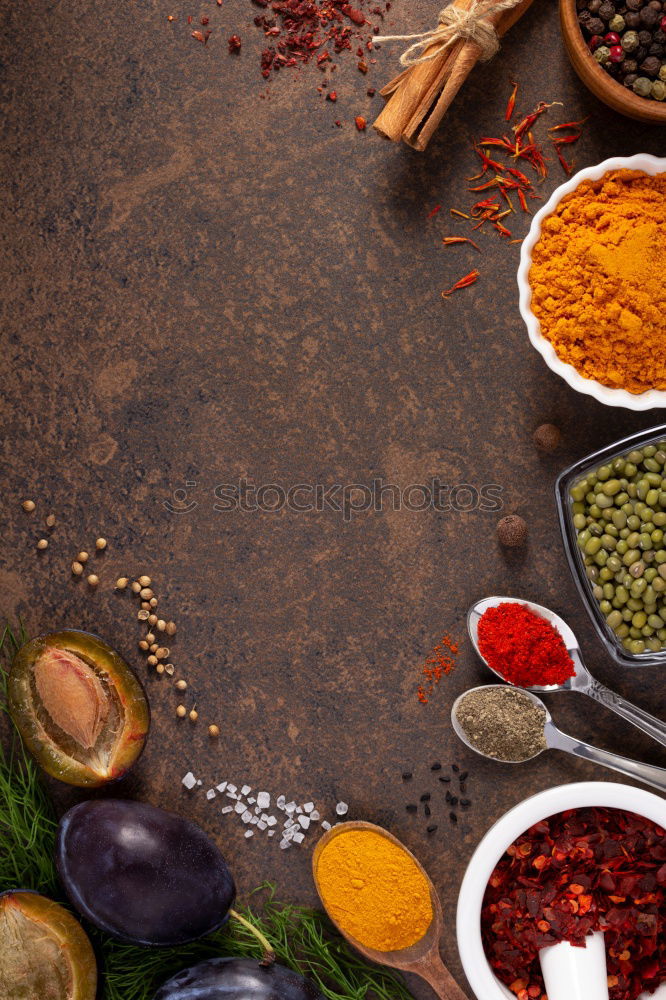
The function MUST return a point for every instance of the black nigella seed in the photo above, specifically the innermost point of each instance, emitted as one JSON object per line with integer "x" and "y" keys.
{"x": 448, "y": 796}
{"x": 455, "y": 768}
{"x": 427, "y": 810}
{"x": 407, "y": 776}
{"x": 445, "y": 779}
{"x": 432, "y": 828}
{"x": 463, "y": 787}
{"x": 463, "y": 776}
{"x": 411, "y": 808}
{"x": 453, "y": 817}
{"x": 436, "y": 766}
{"x": 465, "y": 803}
{"x": 425, "y": 797}
{"x": 453, "y": 800}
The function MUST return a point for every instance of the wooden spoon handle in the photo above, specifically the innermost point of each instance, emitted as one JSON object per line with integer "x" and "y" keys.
{"x": 439, "y": 978}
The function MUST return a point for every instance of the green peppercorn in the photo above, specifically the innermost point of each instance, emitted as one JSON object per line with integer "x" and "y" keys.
{"x": 641, "y": 86}
{"x": 630, "y": 43}
{"x": 658, "y": 90}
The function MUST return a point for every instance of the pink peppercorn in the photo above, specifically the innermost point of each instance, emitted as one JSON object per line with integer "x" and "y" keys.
{"x": 595, "y": 41}
{"x": 663, "y": 24}
{"x": 616, "y": 53}
{"x": 612, "y": 38}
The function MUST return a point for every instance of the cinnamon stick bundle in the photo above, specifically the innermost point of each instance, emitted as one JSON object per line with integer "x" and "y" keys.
{"x": 419, "y": 97}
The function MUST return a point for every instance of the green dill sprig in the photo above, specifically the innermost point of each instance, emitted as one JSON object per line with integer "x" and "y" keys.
{"x": 302, "y": 938}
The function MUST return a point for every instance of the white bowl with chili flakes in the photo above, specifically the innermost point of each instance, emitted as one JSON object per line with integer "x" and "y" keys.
{"x": 584, "y": 794}
{"x": 647, "y": 400}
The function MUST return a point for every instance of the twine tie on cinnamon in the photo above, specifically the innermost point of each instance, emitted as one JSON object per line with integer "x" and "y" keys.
{"x": 454, "y": 24}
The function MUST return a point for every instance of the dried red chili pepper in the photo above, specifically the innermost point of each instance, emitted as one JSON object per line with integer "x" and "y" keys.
{"x": 576, "y": 872}
{"x": 511, "y": 104}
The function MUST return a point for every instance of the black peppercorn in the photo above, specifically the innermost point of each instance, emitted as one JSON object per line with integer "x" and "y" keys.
{"x": 630, "y": 66}
{"x": 630, "y": 79}
{"x": 595, "y": 26}
{"x": 593, "y": 6}
{"x": 651, "y": 66}
{"x": 641, "y": 53}
{"x": 606, "y": 11}
{"x": 634, "y": 4}
{"x": 656, "y": 50}
{"x": 645, "y": 37}
{"x": 632, "y": 20}
{"x": 649, "y": 17}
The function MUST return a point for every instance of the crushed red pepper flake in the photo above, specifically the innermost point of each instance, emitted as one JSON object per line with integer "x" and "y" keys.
{"x": 234, "y": 42}
{"x": 201, "y": 36}
{"x": 576, "y": 872}
{"x": 360, "y": 123}
{"x": 465, "y": 282}
{"x": 450, "y": 241}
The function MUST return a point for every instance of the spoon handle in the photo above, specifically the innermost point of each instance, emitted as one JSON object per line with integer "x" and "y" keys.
{"x": 650, "y": 724}
{"x": 436, "y": 974}
{"x": 647, "y": 773}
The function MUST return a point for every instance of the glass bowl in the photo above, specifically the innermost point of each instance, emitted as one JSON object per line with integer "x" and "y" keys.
{"x": 574, "y": 555}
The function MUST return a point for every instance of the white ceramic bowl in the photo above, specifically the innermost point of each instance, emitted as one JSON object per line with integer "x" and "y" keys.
{"x": 611, "y": 397}
{"x": 585, "y": 793}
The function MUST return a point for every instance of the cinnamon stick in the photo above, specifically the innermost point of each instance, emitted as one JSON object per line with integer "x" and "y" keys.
{"x": 419, "y": 97}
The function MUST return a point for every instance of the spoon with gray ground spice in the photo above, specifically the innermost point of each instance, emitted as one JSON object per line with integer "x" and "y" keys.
{"x": 512, "y": 726}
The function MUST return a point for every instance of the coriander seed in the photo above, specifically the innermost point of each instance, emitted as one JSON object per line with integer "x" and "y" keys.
{"x": 181, "y": 685}
{"x": 181, "y": 711}
{"x": 145, "y": 581}
{"x": 161, "y": 625}
{"x": 194, "y": 715}
{"x": 136, "y": 587}
{"x": 28, "y": 506}
{"x": 170, "y": 669}
{"x": 77, "y": 568}
{"x": 145, "y": 606}
{"x": 152, "y": 661}
{"x": 149, "y": 637}
{"x": 153, "y": 647}
{"x": 145, "y": 593}
{"x": 153, "y": 602}
{"x": 121, "y": 583}
{"x": 152, "y": 619}
{"x": 100, "y": 544}
{"x": 142, "y": 616}
{"x": 214, "y": 731}
{"x": 93, "y": 580}
{"x": 83, "y": 557}
{"x": 50, "y": 520}
{"x": 143, "y": 645}
{"x": 42, "y": 544}
{"x": 170, "y": 628}
{"x": 160, "y": 668}
{"x": 162, "y": 653}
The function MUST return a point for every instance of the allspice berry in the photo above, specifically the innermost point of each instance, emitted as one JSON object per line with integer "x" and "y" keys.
{"x": 547, "y": 438}
{"x": 512, "y": 531}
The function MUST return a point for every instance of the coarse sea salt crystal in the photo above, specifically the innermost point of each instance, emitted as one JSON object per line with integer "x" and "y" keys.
{"x": 342, "y": 809}
{"x": 308, "y": 807}
{"x": 199, "y": 781}
{"x": 189, "y": 780}
{"x": 284, "y": 844}
{"x": 231, "y": 788}
{"x": 299, "y": 838}
{"x": 304, "y": 821}
{"x": 210, "y": 794}
{"x": 246, "y": 789}
{"x": 251, "y": 800}
{"x": 314, "y": 816}
{"x": 280, "y": 802}
{"x": 271, "y": 832}
{"x": 227, "y": 809}
{"x": 326, "y": 825}
{"x": 221, "y": 787}
{"x": 271, "y": 820}
{"x": 263, "y": 800}
{"x": 240, "y": 807}
{"x": 290, "y": 807}
{"x": 249, "y": 833}
{"x": 261, "y": 825}
{"x": 247, "y": 816}
{"x": 254, "y": 820}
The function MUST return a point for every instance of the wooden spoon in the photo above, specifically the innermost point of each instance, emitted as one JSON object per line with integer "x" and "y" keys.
{"x": 422, "y": 958}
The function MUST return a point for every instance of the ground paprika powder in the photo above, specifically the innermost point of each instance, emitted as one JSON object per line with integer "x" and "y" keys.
{"x": 523, "y": 647}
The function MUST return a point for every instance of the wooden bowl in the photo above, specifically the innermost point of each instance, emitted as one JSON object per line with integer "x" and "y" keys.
{"x": 596, "y": 79}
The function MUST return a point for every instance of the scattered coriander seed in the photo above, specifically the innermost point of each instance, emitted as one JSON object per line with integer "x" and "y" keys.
{"x": 77, "y": 568}
{"x": 100, "y": 544}
{"x": 214, "y": 731}
{"x": 170, "y": 669}
{"x": 50, "y": 520}
{"x": 152, "y": 661}
{"x": 512, "y": 531}
{"x": 83, "y": 557}
{"x": 93, "y": 580}
{"x": 136, "y": 587}
{"x": 145, "y": 581}
{"x": 153, "y": 647}
{"x": 161, "y": 625}
{"x": 142, "y": 616}
{"x": 181, "y": 711}
{"x": 193, "y": 715}
{"x": 162, "y": 653}
{"x": 143, "y": 645}
{"x": 547, "y": 437}
{"x": 121, "y": 583}
{"x": 153, "y": 602}
{"x": 145, "y": 593}
{"x": 170, "y": 628}
{"x": 145, "y": 606}
{"x": 149, "y": 637}
{"x": 42, "y": 544}
{"x": 160, "y": 668}
{"x": 152, "y": 618}
{"x": 181, "y": 685}
{"x": 28, "y": 506}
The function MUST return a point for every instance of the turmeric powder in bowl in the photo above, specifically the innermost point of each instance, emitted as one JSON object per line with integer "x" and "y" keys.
{"x": 598, "y": 279}
{"x": 374, "y": 890}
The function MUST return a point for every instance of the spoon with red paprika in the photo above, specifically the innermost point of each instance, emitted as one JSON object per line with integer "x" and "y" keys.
{"x": 531, "y": 647}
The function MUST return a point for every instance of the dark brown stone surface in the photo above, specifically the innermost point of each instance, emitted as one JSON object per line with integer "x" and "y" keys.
{"x": 201, "y": 283}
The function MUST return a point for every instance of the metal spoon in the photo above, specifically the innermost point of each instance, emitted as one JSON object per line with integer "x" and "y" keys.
{"x": 582, "y": 681}
{"x": 557, "y": 740}
{"x": 422, "y": 958}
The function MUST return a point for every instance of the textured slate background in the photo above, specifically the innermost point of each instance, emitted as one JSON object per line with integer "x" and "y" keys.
{"x": 200, "y": 283}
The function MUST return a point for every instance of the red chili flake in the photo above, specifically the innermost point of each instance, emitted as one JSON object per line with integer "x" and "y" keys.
{"x": 469, "y": 279}
{"x": 558, "y": 881}
{"x": 450, "y": 241}
{"x": 511, "y": 104}
{"x": 189, "y": 19}
{"x": 434, "y": 211}
{"x": 170, "y": 17}
{"x": 360, "y": 123}
{"x": 357, "y": 16}
{"x": 234, "y": 43}
{"x": 363, "y": 66}
{"x": 332, "y": 96}
{"x": 439, "y": 663}
{"x": 205, "y": 20}
{"x": 201, "y": 36}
